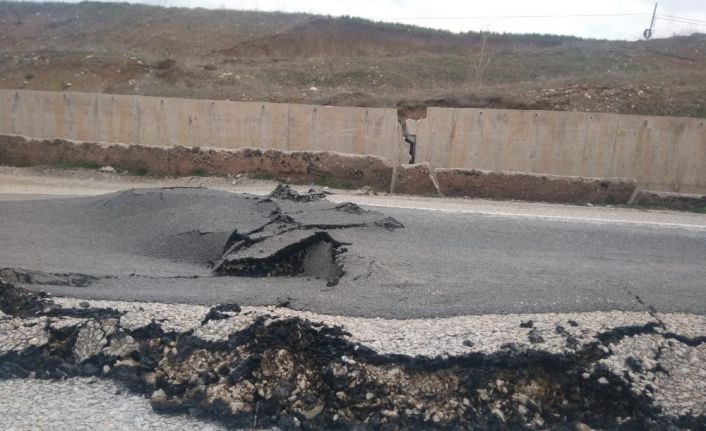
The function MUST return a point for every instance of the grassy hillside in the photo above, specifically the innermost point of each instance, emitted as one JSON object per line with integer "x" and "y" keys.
{"x": 238, "y": 55}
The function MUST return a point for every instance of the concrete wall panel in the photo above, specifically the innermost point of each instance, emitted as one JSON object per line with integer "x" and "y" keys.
{"x": 165, "y": 121}
{"x": 662, "y": 153}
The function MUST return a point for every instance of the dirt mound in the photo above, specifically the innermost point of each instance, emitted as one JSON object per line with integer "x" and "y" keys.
{"x": 330, "y": 37}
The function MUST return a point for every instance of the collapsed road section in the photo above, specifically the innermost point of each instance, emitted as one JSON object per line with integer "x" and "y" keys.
{"x": 273, "y": 366}
{"x": 182, "y": 233}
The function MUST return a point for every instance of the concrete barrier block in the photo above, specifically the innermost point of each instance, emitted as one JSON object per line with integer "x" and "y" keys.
{"x": 534, "y": 187}
{"x": 302, "y": 167}
{"x": 414, "y": 180}
{"x": 676, "y": 201}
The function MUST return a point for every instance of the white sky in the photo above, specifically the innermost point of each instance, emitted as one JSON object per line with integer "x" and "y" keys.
{"x": 483, "y": 15}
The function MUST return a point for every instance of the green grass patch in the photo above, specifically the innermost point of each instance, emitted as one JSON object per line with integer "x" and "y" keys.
{"x": 333, "y": 183}
{"x": 263, "y": 176}
{"x": 139, "y": 172}
{"x": 64, "y": 164}
{"x": 199, "y": 172}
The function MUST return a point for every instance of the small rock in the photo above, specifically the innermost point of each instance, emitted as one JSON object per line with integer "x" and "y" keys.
{"x": 468, "y": 343}
{"x": 522, "y": 399}
{"x": 498, "y": 414}
{"x": 580, "y": 426}
{"x": 634, "y": 363}
{"x": 527, "y": 324}
{"x": 394, "y": 373}
{"x": 603, "y": 381}
{"x": 390, "y": 414}
{"x": 158, "y": 396}
{"x": 314, "y": 411}
{"x": 534, "y": 337}
{"x": 84, "y": 304}
{"x": 106, "y": 369}
{"x": 282, "y": 390}
{"x": 107, "y": 169}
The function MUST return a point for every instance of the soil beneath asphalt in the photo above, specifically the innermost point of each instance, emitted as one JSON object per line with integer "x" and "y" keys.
{"x": 247, "y": 368}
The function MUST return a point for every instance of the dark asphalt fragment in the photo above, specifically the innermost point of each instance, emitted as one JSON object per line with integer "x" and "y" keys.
{"x": 220, "y": 312}
{"x": 18, "y": 275}
{"x": 19, "y": 302}
{"x": 244, "y": 368}
{"x": 283, "y": 191}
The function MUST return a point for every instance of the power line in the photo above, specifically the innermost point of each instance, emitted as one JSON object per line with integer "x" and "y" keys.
{"x": 520, "y": 16}
{"x": 680, "y": 21}
{"x": 682, "y": 18}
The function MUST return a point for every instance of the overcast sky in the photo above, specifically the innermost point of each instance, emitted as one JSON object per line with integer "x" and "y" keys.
{"x": 464, "y": 15}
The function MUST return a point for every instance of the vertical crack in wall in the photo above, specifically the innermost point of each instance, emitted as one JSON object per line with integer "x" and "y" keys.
{"x": 409, "y": 132}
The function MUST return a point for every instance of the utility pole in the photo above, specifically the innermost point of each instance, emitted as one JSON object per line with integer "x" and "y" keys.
{"x": 648, "y": 32}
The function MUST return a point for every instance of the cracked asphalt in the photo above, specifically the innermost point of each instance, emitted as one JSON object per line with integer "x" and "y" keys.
{"x": 139, "y": 247}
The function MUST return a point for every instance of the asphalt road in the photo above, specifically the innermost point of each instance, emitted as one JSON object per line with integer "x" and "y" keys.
{"x": 439, "y": 264}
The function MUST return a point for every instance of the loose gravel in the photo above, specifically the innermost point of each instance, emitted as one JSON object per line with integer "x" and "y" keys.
{"x": 83, "y": 404}
{"x": 657, "y": 358}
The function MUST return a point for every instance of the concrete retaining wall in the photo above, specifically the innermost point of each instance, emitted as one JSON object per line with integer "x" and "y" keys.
{"x": 156, "y": 121}
{"x": 662, "y": 153}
